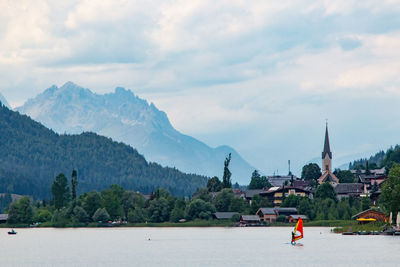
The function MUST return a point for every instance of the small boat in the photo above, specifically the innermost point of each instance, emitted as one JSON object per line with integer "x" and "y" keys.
{"x": 363, "y": 233}
{"x": 12, "y": 232}
{"x": 348, "y": 233}
{"x": 297, "y": 233}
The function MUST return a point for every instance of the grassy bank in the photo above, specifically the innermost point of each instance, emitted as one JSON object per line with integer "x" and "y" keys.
{"x": 369, "y": 227}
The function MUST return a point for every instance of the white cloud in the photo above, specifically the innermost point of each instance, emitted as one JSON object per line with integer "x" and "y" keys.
{"x": 218, "y": 68}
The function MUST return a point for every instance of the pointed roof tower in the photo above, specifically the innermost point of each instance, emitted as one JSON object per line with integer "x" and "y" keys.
{"x": 327, "y": 149}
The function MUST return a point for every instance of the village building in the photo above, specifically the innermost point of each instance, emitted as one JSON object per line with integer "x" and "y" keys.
{"x": 294, "y": 218}
{"x": 277, "y": 195}
{"x": 346, "y": 190}
{"x": 3, "y": 218}
{"x": 249, "y": 220}
{"x": 267, "y": 214}
{"x": 373, "y": 215}
{"x": 224, "y": 215}
{"x": 327, "y": 174}
{"x": 271, "y": 214}
{"x": 280, "y": 180}
{"x": 249, "y": 194}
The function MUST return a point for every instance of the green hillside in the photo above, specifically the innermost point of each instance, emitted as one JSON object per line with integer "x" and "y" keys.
{"x": 31, "y": 156}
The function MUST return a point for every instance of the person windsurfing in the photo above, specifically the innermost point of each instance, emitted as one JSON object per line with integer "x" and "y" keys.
{"x": 297, "y": 234}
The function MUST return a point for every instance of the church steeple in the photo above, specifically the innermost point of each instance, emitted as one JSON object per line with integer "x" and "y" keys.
{"x": 327, "y": 149}
{"x": 326, "y": 153}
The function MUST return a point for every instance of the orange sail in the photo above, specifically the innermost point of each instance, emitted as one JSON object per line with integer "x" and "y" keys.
{"x": 298, "y": 231}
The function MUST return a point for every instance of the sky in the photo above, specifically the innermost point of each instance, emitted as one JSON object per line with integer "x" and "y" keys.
{"x": 260, "y": 76}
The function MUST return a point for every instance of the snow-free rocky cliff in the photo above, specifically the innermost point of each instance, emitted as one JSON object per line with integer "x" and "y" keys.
{"x": 127, "y": 118}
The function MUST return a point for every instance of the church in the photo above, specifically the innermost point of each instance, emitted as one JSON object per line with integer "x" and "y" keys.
{"x": 327, "y": 174}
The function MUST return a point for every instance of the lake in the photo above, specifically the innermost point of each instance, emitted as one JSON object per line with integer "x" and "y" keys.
{"x": 262, "y": 246}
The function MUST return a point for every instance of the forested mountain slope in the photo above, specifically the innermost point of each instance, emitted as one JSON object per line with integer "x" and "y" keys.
{"x": 32, "y": 155}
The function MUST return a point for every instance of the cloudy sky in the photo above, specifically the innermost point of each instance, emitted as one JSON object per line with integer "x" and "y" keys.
{"x": 260, "y": 76}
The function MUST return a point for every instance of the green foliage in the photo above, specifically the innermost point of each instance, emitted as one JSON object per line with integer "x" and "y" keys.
{"x": 324, "y": 191}
{"x": 365, "y": 203}
{"x": 291, "y": 201}
{"x": 374, "y": 161}
{"x": 74, "y": 184}
{"x": 136, "y": 215}
{"x": 259, "y": 202}
{"x": 112, "y": 201}
{"x": 31, "y": 154}
{"x": 60, "y": 217}
{"x": 43, "y": 215}
{"x": 311, "y": 172}
{"x": 203, "y": 194}
{"x": 258, "y": 182}
{"x": 198, "y": 208}
{"x": 176, "y": 214}
{"x": 159, "y": 210}
{"x": 101, "y": 215}
{"x": 21, "y": 211}
{"x": 226, "y": 179}
{"x": 390, "y": 196}
{"x": 91, "y": 202}
{"x": 224, "y": 199}
{"x": 344, "y": 176}
{"x": 130, "y": 201}
{"x": 235, "y": 218}
{"x": 281, "y": 218}
{"x": 60, "y": 191}
{"x": 80, "y": 214}
{"x": 214, "y": 184}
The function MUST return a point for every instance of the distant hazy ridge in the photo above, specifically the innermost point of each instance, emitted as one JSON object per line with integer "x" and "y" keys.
{"x": 127, "y": 118}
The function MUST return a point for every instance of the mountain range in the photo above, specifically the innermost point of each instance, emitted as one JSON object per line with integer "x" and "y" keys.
{"x": 4, "y": 101}
{"x": 31, "y": 156}
{"x": 125, "y": 117}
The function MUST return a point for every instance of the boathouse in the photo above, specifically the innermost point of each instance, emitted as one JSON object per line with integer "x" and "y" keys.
{"x": 370, "y": 215}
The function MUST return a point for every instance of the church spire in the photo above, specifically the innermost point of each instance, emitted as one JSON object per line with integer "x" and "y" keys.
{"x": 327, "y": 149}
{"x": 326, "y": 154}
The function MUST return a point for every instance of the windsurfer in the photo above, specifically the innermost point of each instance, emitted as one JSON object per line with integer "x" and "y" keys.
{"x": 293, "y": 241}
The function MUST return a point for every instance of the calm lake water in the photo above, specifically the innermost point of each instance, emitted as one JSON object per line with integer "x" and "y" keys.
{"x": 194, "y": 247}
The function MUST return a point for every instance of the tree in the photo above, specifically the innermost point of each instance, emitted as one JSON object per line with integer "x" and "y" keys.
{"x": 198, "y": 208}
{"x": 224, "y": 199}
{"x": 60, "y": 191}
{"x": 258, "y": 182}
{"x": 367, "y": 170}
{"x": 177, "y": 214}
{"x": 365, "y": 203}
{"x": 214, "y": 184}
{"x": 259, "y": 202}
{"x": 91, "y": 202}
{"x": 291, "y": 201}
{"x": 375, "y": 187}
{"x": 325, "y": 191}
{"x": 112, "y": 201}
{"x": 101, "y": 215}
{"x": 226, "y": 179}
{"x": 311, "y": 172}
{"x": 159, "y": 210}
{"x": 21, "y": 211}
{"x": 136, "y": 215}
{"x": 74, "y": 184}
{"x": 390, "y": 197}
{"x": 344, "y": 176}
{"x": 81, "y": 214}
{"x": 130, "y": 201}
{"x": 203, "y": 194}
